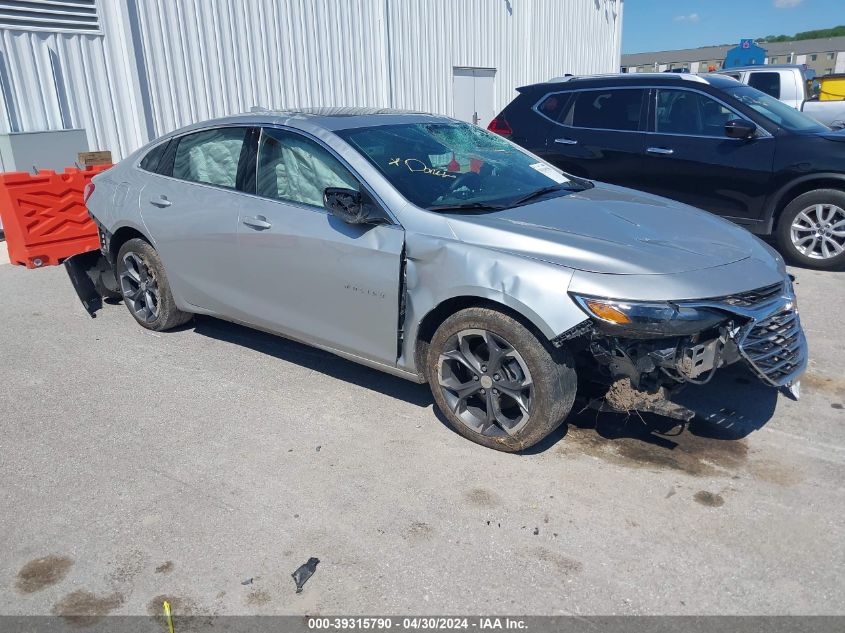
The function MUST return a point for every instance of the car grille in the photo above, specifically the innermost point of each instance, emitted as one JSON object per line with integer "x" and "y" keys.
{"x": 754, "y": 297}
{"x": 775, "y": 346}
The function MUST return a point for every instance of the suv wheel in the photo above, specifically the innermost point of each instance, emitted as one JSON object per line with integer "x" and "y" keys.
{"x": 811, "y": 230}
{"x": 496, "y": 382}
{"x": 143, "y": 284}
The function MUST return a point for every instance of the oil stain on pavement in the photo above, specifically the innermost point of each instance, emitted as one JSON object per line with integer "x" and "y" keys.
{"x": 165, "y": 568}
{"x": 709, "y": 499}
{"x": 690, "y": 454}
{"x": 41, "y": 573}
{"x": 482, "y": 497}
{"x": 179, "y": 606}
{"x": 419, "y": 530}
{"x": 83, "y": 608}
{"x": 257, "y": 597}
{"x": 565, "y": 565}
{"x": 818, "y": 383}
{"x": 686, "y": 452}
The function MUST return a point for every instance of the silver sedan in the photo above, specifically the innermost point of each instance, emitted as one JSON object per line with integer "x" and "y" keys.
{"x": 436, "y": 251}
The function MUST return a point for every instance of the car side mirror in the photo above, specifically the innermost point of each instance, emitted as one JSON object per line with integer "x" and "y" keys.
{"x": 740, "y": 128}
{"x": 349, "y": 205}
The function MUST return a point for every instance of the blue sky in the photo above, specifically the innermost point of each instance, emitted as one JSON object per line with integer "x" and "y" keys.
{"x": 654, "y": 25}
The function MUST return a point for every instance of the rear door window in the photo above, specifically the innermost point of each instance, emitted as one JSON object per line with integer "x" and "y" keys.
{"x": 152, "y": 160}
{"x": 690, "y": 113}
{"x": 610, "y": 109}
{"x": 766, "y": 82}
{"x": 210, "y": 157}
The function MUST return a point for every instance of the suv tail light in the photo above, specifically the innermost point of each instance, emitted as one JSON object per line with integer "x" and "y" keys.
{"x": 500, "y": 126}
{"x": 86, "y": 193}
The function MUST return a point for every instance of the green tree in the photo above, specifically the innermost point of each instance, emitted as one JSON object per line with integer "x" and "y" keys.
{"x": 836, "y": 31}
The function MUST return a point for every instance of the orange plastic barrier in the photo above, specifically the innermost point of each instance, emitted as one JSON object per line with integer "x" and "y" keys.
{"x": 44, "y": 216}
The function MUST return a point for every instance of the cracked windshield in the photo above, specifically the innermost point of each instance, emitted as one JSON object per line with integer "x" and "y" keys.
{"x": 453, "y": 166}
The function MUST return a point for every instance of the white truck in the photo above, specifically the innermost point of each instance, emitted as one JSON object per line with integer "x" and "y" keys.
{"x": 789, "y": 84}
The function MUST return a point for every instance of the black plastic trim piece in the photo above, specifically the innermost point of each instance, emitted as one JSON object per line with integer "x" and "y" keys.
{"x": 582, "y": 329}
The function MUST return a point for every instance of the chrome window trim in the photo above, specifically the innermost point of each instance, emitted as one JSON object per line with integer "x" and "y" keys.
{"x": 761, "y": 130}
{"x": 739, "y": 115}
{"x": 166, "y": 139}
{"x": 569, "y": 94}
{"x": 393, "y": 220}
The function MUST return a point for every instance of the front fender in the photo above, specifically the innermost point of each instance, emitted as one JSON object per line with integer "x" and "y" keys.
{"x": 781, "y": 197}
{"x": 439, "y": 269}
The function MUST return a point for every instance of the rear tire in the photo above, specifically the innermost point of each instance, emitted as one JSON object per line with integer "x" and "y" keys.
{"x": 496, "y": 383}
{"x": 811, "y": 230}
{"x": 144, "y": 287}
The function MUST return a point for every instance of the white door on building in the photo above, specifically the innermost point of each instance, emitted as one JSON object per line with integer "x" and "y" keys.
{"x": 474, "y": 99}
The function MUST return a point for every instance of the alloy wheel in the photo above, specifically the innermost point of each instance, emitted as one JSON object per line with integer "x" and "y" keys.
{"x": 818, "y": 232}
{"x": 485, "y": 382}
{"x": 139, "y": 287}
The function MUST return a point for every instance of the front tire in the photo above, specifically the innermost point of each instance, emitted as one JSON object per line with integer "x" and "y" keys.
{"x": 144, "y": 287}
{"x": 496, "y": 383}
{"x": 811, "y": 230}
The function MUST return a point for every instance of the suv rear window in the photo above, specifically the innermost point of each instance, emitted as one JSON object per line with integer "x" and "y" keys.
{"x": 552, "y": 105}
{"x": 610, "y": 109}
{"x": 766, "y": 82}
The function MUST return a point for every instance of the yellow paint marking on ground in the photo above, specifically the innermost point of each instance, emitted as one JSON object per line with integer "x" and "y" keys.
{"x": 168, "y": 616}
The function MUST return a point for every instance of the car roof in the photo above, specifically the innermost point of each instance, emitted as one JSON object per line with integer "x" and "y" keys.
{"x": 326, "y": 118}
{"x": 622, "y": 79}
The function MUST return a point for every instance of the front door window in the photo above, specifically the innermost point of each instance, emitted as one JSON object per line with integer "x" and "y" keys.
{"x": 691, "y": 114}
{"x": 294, "y": 168}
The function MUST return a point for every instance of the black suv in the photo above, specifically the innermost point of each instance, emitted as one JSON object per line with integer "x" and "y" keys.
{"x": 706, "y": 140}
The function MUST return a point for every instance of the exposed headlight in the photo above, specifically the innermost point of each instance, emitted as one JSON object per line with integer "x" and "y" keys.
{"x": 634, "y": 318}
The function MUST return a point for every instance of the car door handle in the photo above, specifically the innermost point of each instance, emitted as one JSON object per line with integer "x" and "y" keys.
{"x": 566, "y": 141}
{"x": 661, "y": 151}
{"x": 161, "y": 201}
{"x": 257, "y": 222}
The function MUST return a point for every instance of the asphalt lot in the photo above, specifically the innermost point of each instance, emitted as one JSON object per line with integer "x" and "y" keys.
{"x": 136, "y": 466}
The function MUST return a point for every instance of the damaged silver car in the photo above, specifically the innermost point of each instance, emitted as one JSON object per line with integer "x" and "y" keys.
{"x": 437, "y": 251}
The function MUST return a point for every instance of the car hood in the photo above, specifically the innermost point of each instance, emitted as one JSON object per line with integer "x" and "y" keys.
{"x": 835, "y": 136}
{"x": 609, "y": 229}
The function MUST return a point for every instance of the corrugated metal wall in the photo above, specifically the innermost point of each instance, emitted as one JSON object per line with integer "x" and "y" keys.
{"x": 60, "y": 80}
{"x": 160, "y": 64}
{"x": 206, "y": 58}
{"x": 526, "y": 41}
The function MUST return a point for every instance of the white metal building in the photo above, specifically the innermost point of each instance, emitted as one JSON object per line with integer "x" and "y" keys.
{"x": 129, "y": 70}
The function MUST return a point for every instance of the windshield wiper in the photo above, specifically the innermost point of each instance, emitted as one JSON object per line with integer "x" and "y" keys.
{"x": 468, "y": 206}
{"x": 567, "y": 186}
{"x": 483, "y": 206}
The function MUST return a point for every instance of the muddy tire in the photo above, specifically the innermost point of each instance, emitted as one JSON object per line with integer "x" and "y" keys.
{"x": 496, "y": 383}
{"x": 144, "y": 287}
{"x": 811, "y": 230}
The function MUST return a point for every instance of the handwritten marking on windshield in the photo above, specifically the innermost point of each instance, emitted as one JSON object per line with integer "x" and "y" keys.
{"x": 394, "y": 162}
{"x": 417, "y": 166}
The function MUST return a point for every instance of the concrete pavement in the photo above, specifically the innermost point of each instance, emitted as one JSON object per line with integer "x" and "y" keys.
{"x": 138, "y": 465}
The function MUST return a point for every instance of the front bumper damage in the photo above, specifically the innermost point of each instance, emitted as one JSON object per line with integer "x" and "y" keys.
{"x": 762, "y": 329}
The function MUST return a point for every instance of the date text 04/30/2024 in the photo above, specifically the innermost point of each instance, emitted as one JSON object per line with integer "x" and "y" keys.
{"x": 417, "y": 623}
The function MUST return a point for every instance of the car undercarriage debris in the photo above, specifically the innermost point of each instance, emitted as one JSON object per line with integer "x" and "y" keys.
{"x": 304, "y": 572}
{"x": 623, "y": 398}
{"x": 653, "y": 363}
{"x": 642, "y": 373}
